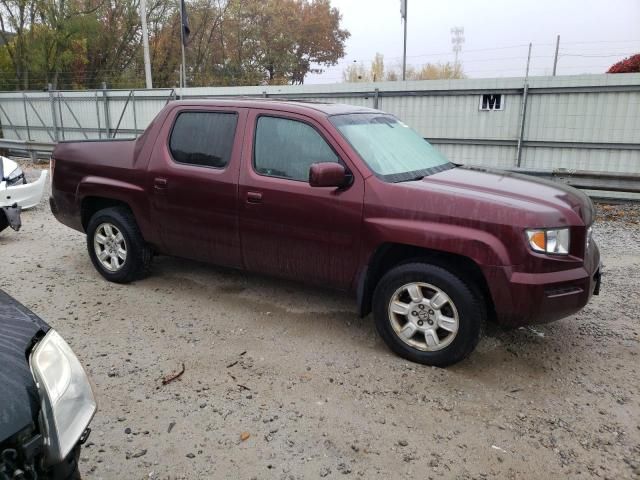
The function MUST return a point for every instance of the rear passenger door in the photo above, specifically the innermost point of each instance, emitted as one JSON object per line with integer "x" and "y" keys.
{"x": 289, "y": 228}
{"x": 194, "y": 180}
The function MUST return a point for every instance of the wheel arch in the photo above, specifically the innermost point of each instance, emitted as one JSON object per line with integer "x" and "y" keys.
{"x": 389, "y": 255}
{"x": 90, "y": 205}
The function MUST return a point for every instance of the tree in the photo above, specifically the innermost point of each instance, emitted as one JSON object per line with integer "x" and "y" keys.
{"x": 319, "y": 39}
{"x": 438, "y": 71}
{"x": 377, "y": 68}
{"x": 250, "y": 42}
{"x": 355, "y": 73}
{"x": 81, "y": 43}
{"x": 378, "y": 71}
{"x": 628, "y": 65}
{"x": 15, "y": 18}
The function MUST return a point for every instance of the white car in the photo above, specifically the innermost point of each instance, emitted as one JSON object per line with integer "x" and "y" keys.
{"x": 16, "y": 194}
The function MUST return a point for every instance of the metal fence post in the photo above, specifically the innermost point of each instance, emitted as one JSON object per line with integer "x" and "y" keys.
{"x": 525, "y": 94}
{"x": 54, "y": 116}
{"x": 98, "y": 115}
{"x": 376, "y": 98}
{"x": 58, "y": 97}
{"x": 523, "y": 116}
{"x": 26, "y": 117}
{"x": 135, "y": 116}
{"x": 107, "y": 119}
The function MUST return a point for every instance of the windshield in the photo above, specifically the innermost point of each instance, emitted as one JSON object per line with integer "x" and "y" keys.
{"x": 391, "y": 149}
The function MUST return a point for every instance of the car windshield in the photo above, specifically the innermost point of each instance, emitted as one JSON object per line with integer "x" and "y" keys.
{"x": 395, "y": 152}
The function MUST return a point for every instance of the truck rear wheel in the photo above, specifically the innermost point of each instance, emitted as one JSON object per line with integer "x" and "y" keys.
{"x": 427, "y": 314}
{"x": 116, "y": 246}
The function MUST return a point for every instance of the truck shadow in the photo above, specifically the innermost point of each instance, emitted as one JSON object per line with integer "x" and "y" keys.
{"x": 311, "y": 311}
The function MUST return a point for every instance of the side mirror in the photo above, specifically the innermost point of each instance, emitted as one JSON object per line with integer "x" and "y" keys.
{"x": 328, "y": 174}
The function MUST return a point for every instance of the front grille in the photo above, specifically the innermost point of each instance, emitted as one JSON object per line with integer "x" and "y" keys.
{"x": 14, "y": 466}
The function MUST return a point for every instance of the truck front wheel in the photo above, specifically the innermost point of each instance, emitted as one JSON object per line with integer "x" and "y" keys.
{"x": 427, "y": 314}
{"x": 116, "y": 246}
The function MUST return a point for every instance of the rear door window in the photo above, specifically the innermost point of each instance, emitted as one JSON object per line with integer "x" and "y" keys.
{"x": 203, "y": 138}
{"x": 287, "y": 148}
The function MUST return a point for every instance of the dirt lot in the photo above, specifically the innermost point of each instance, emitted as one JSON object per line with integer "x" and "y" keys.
{"x": 315, "y": 389}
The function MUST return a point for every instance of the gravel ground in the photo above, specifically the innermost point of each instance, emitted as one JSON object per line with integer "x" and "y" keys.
{"x": 284, "y": 381}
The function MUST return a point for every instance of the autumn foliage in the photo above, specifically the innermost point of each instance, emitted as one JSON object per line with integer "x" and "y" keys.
{"x": 379, "y": 72}
{"x": 82, "y": 43}
{"x": 628, "y": 65}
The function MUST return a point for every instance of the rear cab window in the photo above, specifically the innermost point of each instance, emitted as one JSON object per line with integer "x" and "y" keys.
{"x": 203, "y": 138}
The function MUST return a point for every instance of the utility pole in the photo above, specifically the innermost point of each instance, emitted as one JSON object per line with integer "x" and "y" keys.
{"x": 145, "y": 44}
{"x": 403, "y": 15}
{"x": 555, "y": 57}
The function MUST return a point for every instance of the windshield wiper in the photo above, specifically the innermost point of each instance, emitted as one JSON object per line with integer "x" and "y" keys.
{"x": 413, "y": 179}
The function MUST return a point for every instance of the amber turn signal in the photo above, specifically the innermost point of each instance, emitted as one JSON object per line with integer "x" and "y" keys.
{"x": 554, "y": 241}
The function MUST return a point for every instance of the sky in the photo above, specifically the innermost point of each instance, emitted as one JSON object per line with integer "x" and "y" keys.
{"x": 594, "y": 34}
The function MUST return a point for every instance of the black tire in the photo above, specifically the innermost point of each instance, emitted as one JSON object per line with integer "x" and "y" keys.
{"x": 468, "y": 303}
{"x": 138, "y": 257}
{"x": 4, "y": 223}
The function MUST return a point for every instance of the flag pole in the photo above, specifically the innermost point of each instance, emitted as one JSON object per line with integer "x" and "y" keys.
{"x": 183, "y": 76}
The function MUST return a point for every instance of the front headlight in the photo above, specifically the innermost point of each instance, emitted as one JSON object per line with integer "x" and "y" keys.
{"x": 553, "y": 241}
{"x": 67, "y": 401}
{"x": 16, "y": 177}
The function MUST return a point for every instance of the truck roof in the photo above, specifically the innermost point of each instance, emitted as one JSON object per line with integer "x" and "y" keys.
{"x": 281, "y": 104}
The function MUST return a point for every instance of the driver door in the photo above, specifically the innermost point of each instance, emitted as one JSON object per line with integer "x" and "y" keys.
{"x": 287, "y": 227}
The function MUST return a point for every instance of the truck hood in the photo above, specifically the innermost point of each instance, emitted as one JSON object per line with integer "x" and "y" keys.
{"x": 19, "y": 399}
{"x": 515, "y": 190}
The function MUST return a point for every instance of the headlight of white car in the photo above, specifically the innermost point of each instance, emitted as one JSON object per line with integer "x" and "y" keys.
{"x": 67, "y": 400}
{"x": 16, "y": 177}
{"x": 554, "y": 241}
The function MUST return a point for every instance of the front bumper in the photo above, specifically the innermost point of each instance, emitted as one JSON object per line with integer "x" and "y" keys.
{"x": 67, "y": 469}
{"x": 28, "y": 457}
{"x": 522, "y": 298}
{"x": 26, "y": 195}
{"x": 10, "y": 216}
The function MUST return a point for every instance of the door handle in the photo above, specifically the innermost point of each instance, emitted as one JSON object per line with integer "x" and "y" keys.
{"x": 254, "y": 197}
{"x": 160, "y": 183}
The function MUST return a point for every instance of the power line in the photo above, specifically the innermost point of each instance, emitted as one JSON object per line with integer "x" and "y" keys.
{"x": 594, "y": 56}
{"x": 602, "y": 41}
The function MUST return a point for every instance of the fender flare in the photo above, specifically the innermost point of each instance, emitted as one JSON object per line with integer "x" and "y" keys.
{"x": 479, "y": 247}
{"x": 134, "y": 196}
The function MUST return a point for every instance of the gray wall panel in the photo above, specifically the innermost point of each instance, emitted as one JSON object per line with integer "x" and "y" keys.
{"x": 588, "y": 122}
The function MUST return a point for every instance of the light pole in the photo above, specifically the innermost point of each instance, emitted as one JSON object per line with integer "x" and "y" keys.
{"x": 145, "y": 44}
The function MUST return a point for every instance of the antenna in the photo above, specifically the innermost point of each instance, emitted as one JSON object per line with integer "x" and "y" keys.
{"x": 457, "y": 39}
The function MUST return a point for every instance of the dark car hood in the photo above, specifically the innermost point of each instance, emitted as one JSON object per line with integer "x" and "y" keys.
{"x": 19, "y": 400}
{"x": 507, "y": 188}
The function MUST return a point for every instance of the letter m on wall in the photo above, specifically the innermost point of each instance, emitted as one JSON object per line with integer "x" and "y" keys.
{"x": 491, "y": 101}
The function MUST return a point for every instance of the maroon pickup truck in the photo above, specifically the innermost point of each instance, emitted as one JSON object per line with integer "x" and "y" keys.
{"x": 339, "y": 196}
